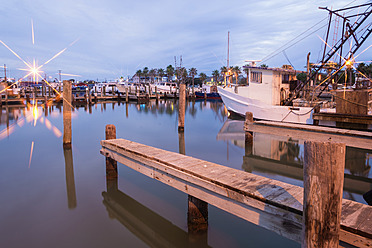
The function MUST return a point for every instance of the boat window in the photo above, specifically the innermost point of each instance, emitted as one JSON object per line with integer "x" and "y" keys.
{"x": 285, "y": 78}
{"x": 256, "y": 77}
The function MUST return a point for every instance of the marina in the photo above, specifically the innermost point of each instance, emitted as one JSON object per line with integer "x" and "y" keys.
{"x": 132, "y": 146}
{"x": 213, "y": 138}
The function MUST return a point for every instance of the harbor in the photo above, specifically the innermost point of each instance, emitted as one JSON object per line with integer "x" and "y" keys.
{"x": 209, "y": 143}
{"x": 199, "y": 126}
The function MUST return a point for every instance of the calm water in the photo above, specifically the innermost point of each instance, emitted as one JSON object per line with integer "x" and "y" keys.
{"x": 58, "y": 198}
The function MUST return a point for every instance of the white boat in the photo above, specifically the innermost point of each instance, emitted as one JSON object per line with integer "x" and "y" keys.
{"x": 164, "y": 87}
{"x": 266, "y": 89}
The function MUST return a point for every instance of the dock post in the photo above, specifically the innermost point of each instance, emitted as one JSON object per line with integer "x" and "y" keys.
{"x": 156, "y": 93}
{"x": 111, "y": 165}
{"x": 45, "y": 100}
{"x": 104, "y": 90}
{"x": 67, "y": 101}
{"x": 324, "y": 164}
{"x": 89, "y": 98}
{"x": 6, "y": 97}
{"x": 126, "y": 95}
{"x": 181, "y": 109}
{"x": 316, "y": 110}
{"x": 205, "y": 95}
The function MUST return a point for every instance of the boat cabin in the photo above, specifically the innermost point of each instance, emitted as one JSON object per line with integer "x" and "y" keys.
{"x": 269, "y": 85}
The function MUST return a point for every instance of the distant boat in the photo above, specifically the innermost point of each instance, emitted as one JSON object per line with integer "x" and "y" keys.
{"x": 213, "y": 95}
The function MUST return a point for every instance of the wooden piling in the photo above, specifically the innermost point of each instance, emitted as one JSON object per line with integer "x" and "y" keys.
{"x": 181, "y": 109}
{"x": 156, "y": 94}
{"x": 6, "y": 97}
{"x": 126, "y": 95}
{"x": 316, "y": 110}
{"x": 89, "y": 98}
{"x": 111, "y": 165}
{"x": 324, "y": 164}
{"x": 67, "y": 101}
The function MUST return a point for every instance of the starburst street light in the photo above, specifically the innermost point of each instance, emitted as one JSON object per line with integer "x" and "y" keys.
{"x": 34, "y": 70}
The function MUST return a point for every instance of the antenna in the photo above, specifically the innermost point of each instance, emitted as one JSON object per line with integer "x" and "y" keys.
{"x": 228, "y": 49}
{"x": 5, "y": 73}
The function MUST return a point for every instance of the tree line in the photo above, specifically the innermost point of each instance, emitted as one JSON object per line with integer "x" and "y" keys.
{"x": 191, "y": 76}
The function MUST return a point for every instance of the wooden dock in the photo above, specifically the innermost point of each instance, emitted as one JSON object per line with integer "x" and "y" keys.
{"x": 353, "y": 138}
{"x": 274, "y": 205}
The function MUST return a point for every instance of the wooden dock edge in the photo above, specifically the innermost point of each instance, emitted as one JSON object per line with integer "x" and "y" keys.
{"x": 264, "y": 207}
{"x": 351, "y": 138}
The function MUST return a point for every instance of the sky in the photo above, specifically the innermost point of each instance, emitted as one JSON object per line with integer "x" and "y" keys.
{"x": 113, "y": 38}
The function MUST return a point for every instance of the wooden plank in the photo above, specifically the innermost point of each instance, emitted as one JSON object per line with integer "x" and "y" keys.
{"x": 320, "y": 129}
{"x": 350, "y": 118}
{"x": 237, "y": 188}
{"x": 363, "y": 140}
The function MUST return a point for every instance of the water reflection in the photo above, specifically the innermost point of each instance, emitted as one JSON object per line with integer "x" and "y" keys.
{"x": 70, "y": 179}
{"x": 147, "y": 225}
{"x": 281, "y": 158}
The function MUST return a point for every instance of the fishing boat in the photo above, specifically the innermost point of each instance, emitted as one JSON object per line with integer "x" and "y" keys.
{"x": 212, "y": 94}
{"x": 265, "y": 91}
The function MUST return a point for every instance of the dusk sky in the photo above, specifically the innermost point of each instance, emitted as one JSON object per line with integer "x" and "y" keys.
{"x": 113, "y": 38}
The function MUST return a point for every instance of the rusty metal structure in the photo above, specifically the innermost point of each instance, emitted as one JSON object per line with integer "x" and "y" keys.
{"x": 356, "y": 28}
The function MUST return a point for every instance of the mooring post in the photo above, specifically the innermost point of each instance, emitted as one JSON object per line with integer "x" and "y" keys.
{"x": 111, "y": 165}
{"x": 126, "y": 95}
{"x": 316, "y": 110}
{"x": 156, "y": 94}
{"x": 67, "y": 103}
{"x": 90, "y": 97}
{"x": 324, "y": 164}
{"x": 181, "y": 109}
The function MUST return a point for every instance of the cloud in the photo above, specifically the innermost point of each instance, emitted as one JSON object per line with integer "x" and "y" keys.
{"x": 119, "y": 36}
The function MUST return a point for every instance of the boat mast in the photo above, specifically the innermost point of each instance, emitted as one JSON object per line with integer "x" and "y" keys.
{"x": 228, "y": 54}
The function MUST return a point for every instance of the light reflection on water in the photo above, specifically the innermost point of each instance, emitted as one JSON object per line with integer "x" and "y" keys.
{"x": 61, "y": 199}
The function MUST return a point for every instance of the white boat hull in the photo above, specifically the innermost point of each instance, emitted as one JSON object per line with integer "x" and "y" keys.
{"x": 240, "y": 105}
